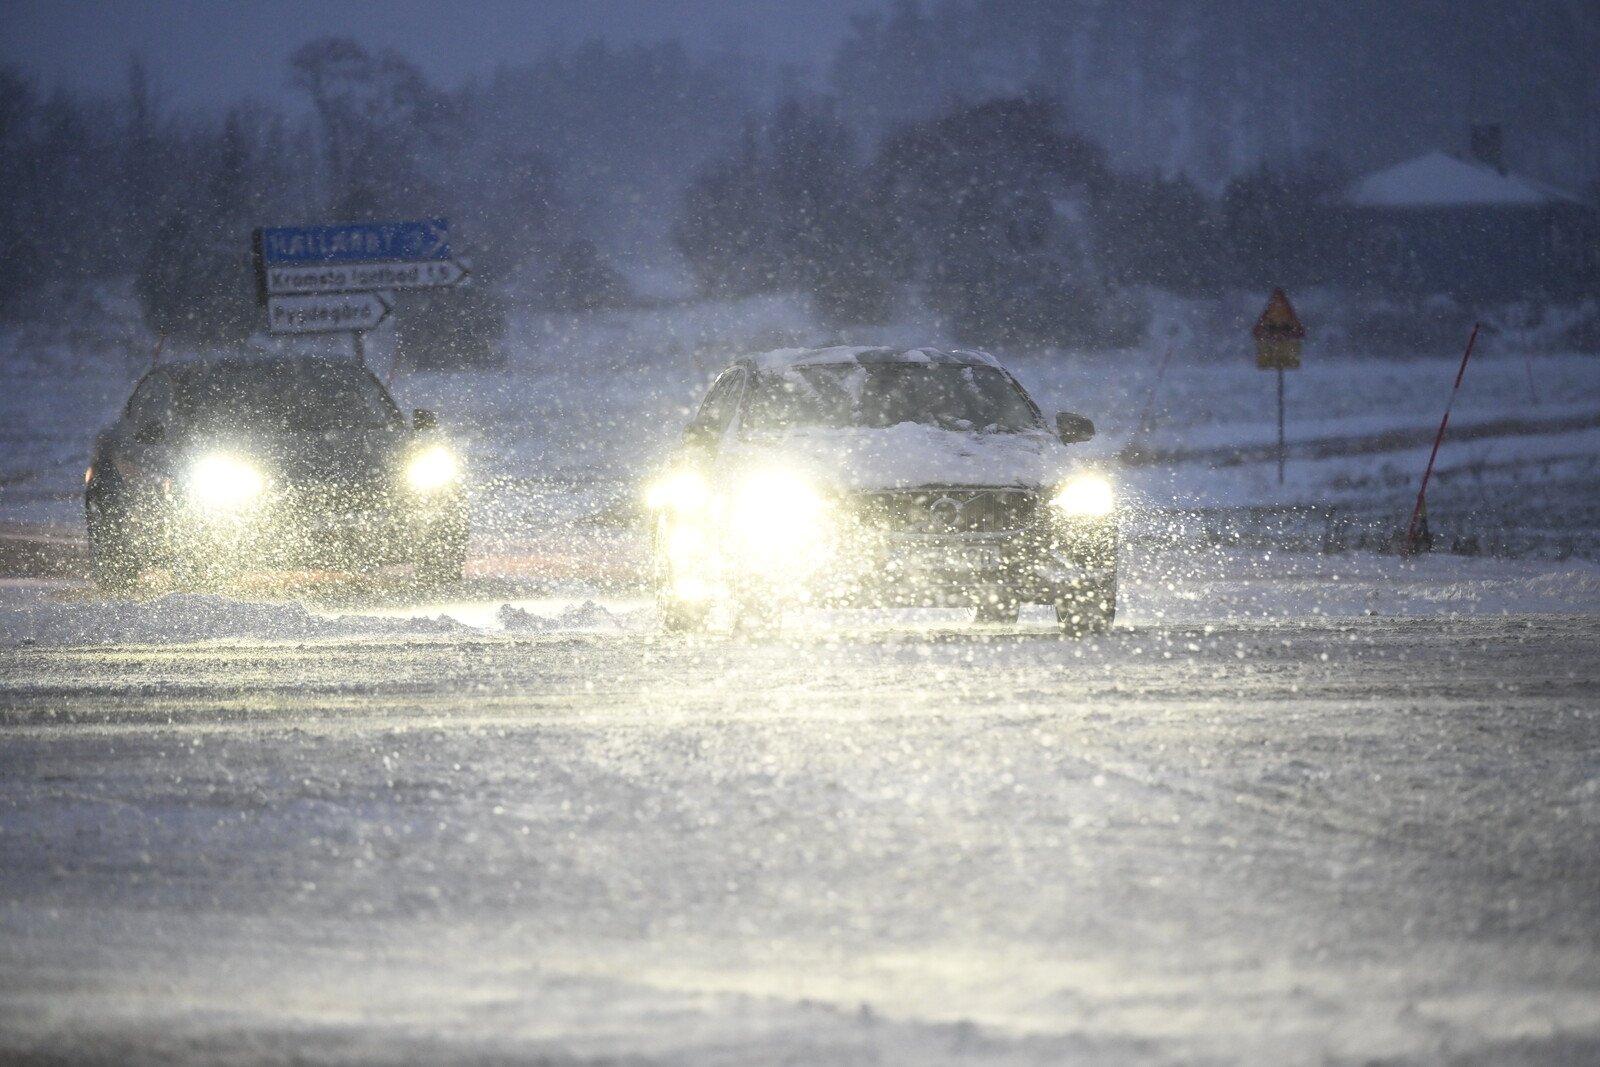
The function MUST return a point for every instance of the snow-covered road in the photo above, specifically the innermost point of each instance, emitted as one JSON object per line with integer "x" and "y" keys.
{"x": 1218, "y": 835}
{"x": 1305, "y": 805}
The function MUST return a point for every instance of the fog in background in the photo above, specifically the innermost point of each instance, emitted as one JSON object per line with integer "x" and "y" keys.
{"x": 1026, "y": 168}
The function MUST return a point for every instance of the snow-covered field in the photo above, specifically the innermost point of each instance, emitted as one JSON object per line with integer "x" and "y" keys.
{"x": 561, "y": 437}
{"x": 1308, "y": 803}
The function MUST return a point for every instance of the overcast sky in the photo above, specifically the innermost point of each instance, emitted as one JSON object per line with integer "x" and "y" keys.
{"x": 210, "y": 52}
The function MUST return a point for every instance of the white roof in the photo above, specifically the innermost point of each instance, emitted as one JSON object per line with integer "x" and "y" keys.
{"x": 783, "y": 358}
{"x": 1440, "y": 180}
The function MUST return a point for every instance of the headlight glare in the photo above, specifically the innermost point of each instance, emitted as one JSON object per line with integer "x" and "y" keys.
{"x": 682, "y": 491}
{"x": 776, "y": 509}
{"x": 690, "y": 588}
{"x": 431, "y": 469}
{"x": 1088, "y": 495}
{"x": 224, "y": 482}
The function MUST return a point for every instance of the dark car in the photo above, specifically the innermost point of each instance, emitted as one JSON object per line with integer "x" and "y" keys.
{"x": 240, "y": 464}
{"x": 845, "y": 476}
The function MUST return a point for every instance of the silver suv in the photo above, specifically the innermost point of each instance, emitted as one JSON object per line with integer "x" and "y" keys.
{"x": 875, "y": 476}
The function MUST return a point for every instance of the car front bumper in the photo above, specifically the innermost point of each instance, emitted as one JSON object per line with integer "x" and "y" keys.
{"x": 854, "y": 565}
{"x": 289, "y": 531}
{"x": 1036, "y": 566}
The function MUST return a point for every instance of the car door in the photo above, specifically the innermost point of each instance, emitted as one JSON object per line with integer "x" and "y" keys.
{"x": 142, "y": 443}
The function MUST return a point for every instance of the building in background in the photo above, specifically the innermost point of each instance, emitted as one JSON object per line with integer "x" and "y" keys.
{"x": 1470, "y": 228}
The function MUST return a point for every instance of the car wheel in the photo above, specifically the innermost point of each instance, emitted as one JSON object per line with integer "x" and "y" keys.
{"x": 1090, "y": 608}
{"x": 116, "y": 567}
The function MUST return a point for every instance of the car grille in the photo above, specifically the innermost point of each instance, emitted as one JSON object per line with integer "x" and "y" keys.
{"x": 334, "y": 498}
{"x": 945, "y": 512}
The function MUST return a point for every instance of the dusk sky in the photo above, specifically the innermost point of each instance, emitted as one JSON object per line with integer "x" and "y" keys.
{"x": 207, "y": 52}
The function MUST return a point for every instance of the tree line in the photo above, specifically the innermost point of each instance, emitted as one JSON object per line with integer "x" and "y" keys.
{"x": 996, "y": 213}
{"x": 537, "y": 169}
{"x": 1024, "y": 167}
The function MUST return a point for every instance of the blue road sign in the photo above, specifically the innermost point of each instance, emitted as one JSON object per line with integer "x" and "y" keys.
{"x": 356, "y": 242}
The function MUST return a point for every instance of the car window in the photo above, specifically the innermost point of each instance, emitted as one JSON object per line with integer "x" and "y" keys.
{"x": 287, "y": 395}
{"x": 949, "y": 396}
{"x": 716, "y": 411}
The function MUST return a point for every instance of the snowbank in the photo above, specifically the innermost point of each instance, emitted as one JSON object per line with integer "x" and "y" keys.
{"x": 34, "y": 615}
{"x": 586, "y": 616}
{"x": 57, "y": 614}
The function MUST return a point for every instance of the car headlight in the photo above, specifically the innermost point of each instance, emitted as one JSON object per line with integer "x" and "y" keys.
{"x": 1087, "y": 496}
{"x": 431, "y": 469}
{"x": 776, "y": 510}
{"x": 682, "y": 491}
{"x": 224, "y": 482}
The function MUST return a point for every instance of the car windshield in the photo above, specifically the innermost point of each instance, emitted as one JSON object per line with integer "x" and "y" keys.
{"x": 950, "y": 396}
{"x": 296, "y": 396}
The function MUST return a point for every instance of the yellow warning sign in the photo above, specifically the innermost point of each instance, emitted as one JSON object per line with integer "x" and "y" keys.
{"x": 1278, "y": 333}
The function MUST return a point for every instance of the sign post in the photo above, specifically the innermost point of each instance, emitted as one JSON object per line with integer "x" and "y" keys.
{"x": 1278, "y": 334}
{"x": 341, "y": 277}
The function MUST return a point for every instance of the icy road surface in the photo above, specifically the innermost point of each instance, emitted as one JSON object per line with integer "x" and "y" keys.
{"x": 1272, "y": 838}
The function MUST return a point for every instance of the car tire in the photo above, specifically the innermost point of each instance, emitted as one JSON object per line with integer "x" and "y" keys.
{"x": 1089, "y": 609}
{"x": 115, "y": 566}
{"x": 1001, "y": 608}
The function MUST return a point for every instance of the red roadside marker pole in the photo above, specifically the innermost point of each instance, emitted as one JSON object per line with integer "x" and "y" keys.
{"x": 1422, "y": 494}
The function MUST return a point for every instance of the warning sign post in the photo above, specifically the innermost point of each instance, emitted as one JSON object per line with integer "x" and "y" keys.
{"x": 1278, "y": 333}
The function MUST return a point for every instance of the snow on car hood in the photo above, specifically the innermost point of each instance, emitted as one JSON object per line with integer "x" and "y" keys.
{"x": 909, "y": 455}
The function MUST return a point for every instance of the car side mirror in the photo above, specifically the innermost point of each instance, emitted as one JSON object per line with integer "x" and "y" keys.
{"x": 150, "y": 432}
{"x": 1073, "y": 429}
{"x": 423, "y": 420}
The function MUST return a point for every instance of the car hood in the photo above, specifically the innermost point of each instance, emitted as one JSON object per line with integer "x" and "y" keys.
{"x": 910, "y": 455}
{"x": 344, "y": 457}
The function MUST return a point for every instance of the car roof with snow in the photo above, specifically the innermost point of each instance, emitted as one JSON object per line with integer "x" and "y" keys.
{"x": 256, "y": 367}
{"x": 782, "y": 359}
{"x": 197, "y": 377}
{"x": 251, "y": 361}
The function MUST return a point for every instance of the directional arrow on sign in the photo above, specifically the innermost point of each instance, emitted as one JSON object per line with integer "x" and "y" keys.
{"x": 354, "y": 242}
{"x": 365, "y": 277}
{"x": 326, "y": 312}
